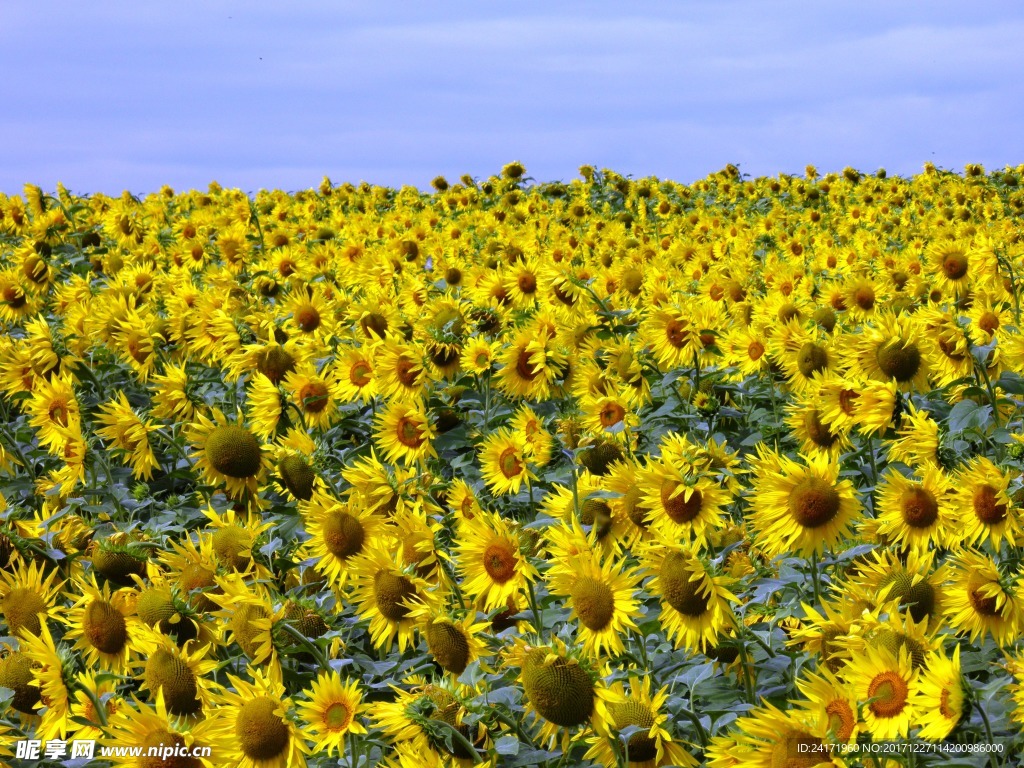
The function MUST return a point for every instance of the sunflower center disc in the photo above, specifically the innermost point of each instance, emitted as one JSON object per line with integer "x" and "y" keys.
{"x": 104, "y": 626}
{"x": 679, "y": 506}
{"x": 632, "y": 712}
{"x": 162, "y": 738}
{"x": 889, "y": 692}
{"x": 680, "y": 592}
{"x": 343, "y": 534}
{"x": 167, "y": 671}
{"x": 261, "y": 733}
{"x": 500, "y": 562}
{"x": 336, "y": 716}
{"x": 448, "y": 646}
{"x": 813, "y": 502}
{"x": 561, "y": 691}
{"x": 986, "y": 506}
{"x": 390, "y": 591}
{"x": 594, "y": 603}
{"x": 233, "y": 451}
{"x": 898, "y": 360}
{"x": 20, "y": 609}
{"x": 509, "y": 463}
{"x": 919, "y": 507}
{"x": 811, "y": 358}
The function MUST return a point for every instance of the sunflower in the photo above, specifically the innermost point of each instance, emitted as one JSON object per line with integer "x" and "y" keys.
{"x": 603, "y": 601}
{"x": 315, "y": 395}
{"x": 650, "y": 748}
{"x": 136, "y": 724}
{"x": 332, "y": 711}
{"x": 832, "y": 703}
{"x": 400, "y": 370}
{"x": 478, "y": 356}
{"x": 888, "y": 350}
{"x": 254, "y": 720}
{"x": 680, "y": 506}
{"x": 102, "y": 626}
{"x": 820, "y": 633}
{"x": 453, "y": 642}
{"x": 982, "y": 504}
{"x": 462, "y": 500}
{"x": 233, "y": 538}
{"x": 531, "y": 364}
{"x": 490, "y": 563}
{"x": 83, "y": 707}
{"x": 265, "y": 406}
{"x": 355, "y": 379}
{"x": 52, "y": 671}
{"x": 423, "y": 720}
{"x": 172, "y": 398}
{"x": 917, "y": 439}
{"x": 227, "y": 454}
{"x": 806, "y": 419}
{"x": 539, "y": 442}
{"x": 129, "y": 434}
{"x": 387, "y": 594}
{"x": 951, "y": 263}
{"x": 179, "y": 674}
{"x": 800, "y": 508}
{"x": 942, "y": 695}
{"x": 914, "y": 514}
{"x": 887, "y": 686}
{"x": 404, "y": 431}
{"x": 911, "y": 580}
{"x": 695, "y": 609}
{"x": 27, "y": 597}
{"x": 503, "y": 461}
{"x": 979, "y": 602}
{"x": 562, "y": 689}
{"x": 767, "y": 738}
{"x": 54, "y": 411}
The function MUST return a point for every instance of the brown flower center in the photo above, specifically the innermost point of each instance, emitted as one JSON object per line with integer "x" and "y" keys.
{"x": 500, "y": 562}
{"x": 813, "y": 502}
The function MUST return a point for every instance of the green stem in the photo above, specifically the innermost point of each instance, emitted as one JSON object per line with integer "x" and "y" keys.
{"x": 462, "y": 740}
{"x": 748, "y": 682}
{"x": 814, "y": 578}
{"x": 988, "y": 730}
{"x": 305, "y": 642}
{"x": 98, "y": 708}
{"x": 693, "y": 718}
{"x": 536, "y": 610}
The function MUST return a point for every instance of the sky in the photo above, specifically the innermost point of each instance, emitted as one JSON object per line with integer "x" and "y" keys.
{"x": 106, "y": 96}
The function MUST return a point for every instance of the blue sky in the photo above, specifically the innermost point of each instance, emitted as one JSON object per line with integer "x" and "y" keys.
{"x": 105, "y": 96}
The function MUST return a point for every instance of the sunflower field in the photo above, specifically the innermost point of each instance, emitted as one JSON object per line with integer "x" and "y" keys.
{"x": 615, "y": 472}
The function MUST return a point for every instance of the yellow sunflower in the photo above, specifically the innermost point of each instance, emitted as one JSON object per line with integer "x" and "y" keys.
{"x": 491, "y": 565}
{"x": 650, "y": 747}
{"x": 403, "y": 431}
{"x": 27, "y": 597}
{"x": 332, "y": 711}
{"x": 982, "y": 504}
{"x": 102, "y": 626}
{"x": 254, "y": 721}
{"x": 178, "y": 673}
{"x": 603, "y": 601}
{"x": 136, "y": 724}
{"x": 387, "y": 594}
{"x": 315, "y": 395}
{"x": 453, "y": 642}
{"x": 912, "y": 513}
{"x": 129, "y": 434}
{"x": 695, "y": 610}
{"x": 227, "y": 454}
{"x": 563, "y": 690}
{"x": 980, "y": 602}
{"x": 800, "y": 509}
{"x": 503, "y": 461}
{"x": 887, "y": 686}
{"x": 942, "y": 696}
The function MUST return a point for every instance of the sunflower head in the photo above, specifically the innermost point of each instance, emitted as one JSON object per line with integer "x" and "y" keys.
{"x": 118, "y": 562}
{"x": 166, "y": 671}
{"x": 233, "y": 451}
{"x": 16, "y": 674}
{"x": 297, "y": 476}
{"x": 558, "y": 687}
{"x": 448, "y": 644}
